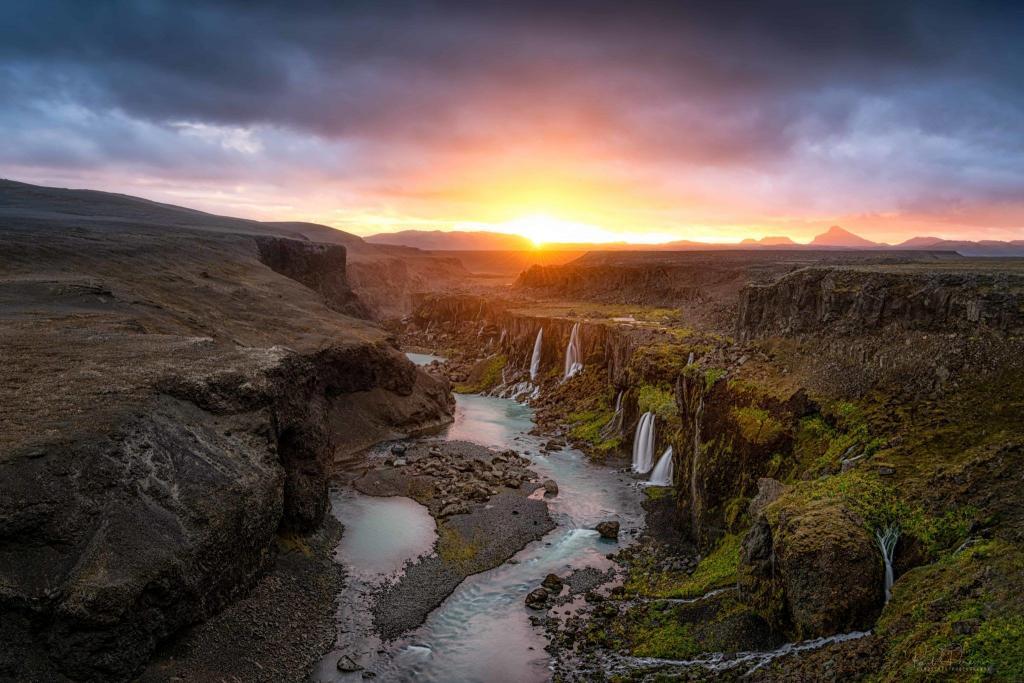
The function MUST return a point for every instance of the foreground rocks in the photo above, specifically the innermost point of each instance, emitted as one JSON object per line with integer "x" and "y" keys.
{"x": 170, "y": 405}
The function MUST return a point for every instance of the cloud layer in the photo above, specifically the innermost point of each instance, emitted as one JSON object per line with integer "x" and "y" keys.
{"x": 707, "y": 119}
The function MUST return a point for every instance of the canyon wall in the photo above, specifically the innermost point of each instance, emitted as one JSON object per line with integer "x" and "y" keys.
{"x": 852, "y": 301}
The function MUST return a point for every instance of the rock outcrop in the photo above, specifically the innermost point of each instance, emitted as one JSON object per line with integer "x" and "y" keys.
{"x": 321, "y": 267}
{"x": 812, "y": 569}
{"x": 852, "y": 300}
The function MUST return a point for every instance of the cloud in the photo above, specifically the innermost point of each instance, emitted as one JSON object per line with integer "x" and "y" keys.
{"x": 708, "y": 111}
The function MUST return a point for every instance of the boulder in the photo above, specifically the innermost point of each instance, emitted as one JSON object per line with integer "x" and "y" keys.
{"x": 553, "y": 583}
{"x": 550, "y": 487}
{"x": 537, "y": 599}
{"x": 347, "y": 665}
{"x": 813, "y": 568}
{"x": 608, "y": 529}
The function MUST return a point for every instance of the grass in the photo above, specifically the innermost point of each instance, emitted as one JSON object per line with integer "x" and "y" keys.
{"x": 587, "y": 425}
{"x": 657, "y": 492}
{"x": 718, "y": 569}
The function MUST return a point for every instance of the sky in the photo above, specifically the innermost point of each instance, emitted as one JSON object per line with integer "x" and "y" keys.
{"x": 565, "y": 121}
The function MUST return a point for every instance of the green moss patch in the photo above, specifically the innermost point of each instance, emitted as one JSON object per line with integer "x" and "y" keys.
{"x": 717, "y": 570}
{"x": 657, "y": 400}
{"x": 485, "y": 375}
{"x": 959, "y": 618}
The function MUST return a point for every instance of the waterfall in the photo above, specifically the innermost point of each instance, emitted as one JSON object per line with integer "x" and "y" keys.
{"x": 573, "y": 354}
{"x": 887, "y": 544}
{"x": 535, "y": 359}
{"x": 662, "y": 474}
{"x": 689, "y": 360}
{"x": 618, "y": 403}
{"x": 643, "y": 444}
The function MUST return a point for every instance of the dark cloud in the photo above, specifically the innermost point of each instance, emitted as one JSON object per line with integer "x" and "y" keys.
{"x": 799, "y": 85}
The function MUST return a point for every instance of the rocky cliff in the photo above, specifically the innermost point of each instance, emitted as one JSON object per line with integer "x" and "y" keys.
{"x": 853, "y": 300}
{"x": 169, "y": 405}
{"x": 321, "y": 267}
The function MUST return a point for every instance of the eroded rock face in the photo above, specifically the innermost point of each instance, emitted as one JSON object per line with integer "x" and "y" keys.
{"x": 850, "y": 300}
{"x": 110, "y": 544}
{"x": 321, "y": 267}
{"x": 814, "y": 569}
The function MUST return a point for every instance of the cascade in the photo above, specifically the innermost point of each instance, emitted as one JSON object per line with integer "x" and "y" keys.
{"x": 887, "y": 544}
{"x": 535, "y": 359}
{"x": 573, "y": 353}
{"x": 662, "y": 474}
{"x": 643, "y": 444}
{"x": 689, "y": 360}
{"x": 618, "y": 403}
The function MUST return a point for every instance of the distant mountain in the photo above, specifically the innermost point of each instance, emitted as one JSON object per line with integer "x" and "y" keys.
{"x": 770, "y": 241}
{"x": 844, "y": 239}
{"x": 455, "y": 240}
{"x": 966, "y": 247}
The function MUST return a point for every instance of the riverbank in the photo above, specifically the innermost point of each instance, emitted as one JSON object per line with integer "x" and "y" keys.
{"x": 481, "y": 501}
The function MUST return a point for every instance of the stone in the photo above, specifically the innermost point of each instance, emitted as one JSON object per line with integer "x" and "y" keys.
{"x": 608, "y": 529}
{"x": 966, "y": 627}
{"x": 400, "y": 462}
{"x": 537, "y": 598}
{"x": 886, "y": 470}
{"x": 550, "y": 487}
{"x": 814, "y": 565}
{"x": 553, "y": 583}
{"x": 398, "y": 449}
{"x": 768, "y": 491}
{"x": 347, "y": 665}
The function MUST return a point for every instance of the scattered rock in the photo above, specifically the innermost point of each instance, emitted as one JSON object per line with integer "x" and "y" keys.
{"x": 608, "y": 529}
{"x": 552, "y": 583}
{"x": 537, "y": 599}
{"x": 398, "y": 449}
{"x": 886, "y": 470}
{"x": 550, "y": 487}
{"x": 348, "y": 665}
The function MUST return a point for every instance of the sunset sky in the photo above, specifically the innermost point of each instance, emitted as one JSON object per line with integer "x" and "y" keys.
{"x": 564, "y": 121}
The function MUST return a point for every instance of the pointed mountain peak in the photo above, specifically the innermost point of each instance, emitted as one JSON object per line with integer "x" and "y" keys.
{"x": 840, "y": 237}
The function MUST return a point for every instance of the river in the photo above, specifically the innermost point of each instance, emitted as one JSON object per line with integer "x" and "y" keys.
{"x": 482, "y": 631}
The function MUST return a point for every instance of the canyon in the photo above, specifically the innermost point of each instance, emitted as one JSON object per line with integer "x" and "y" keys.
{"x": 764, "y": 464}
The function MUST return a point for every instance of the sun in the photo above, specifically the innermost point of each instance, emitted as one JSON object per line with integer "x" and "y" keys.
{"x": 543, "y": 229}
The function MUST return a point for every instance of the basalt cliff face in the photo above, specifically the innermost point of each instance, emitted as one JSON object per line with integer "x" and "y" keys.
{"x": 855, "y": 300}
{"x": 170, "y": 404}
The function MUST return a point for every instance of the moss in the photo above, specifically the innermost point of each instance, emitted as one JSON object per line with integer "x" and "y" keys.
{"x": 589, "y": 425}
{"x": 657, "y": 492}
{"x": 671, "y": 640}
{"x": 880, "y": 505}
{"x": 978, "y": 586}
{"x": 712, "y": 375}
{"x": 717, "y": 570}
{"x": 657, "y": 400}
{"x": 488, "y": 375}
{"x": 454, "y": 548}
{"x": 757, "y": 425}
